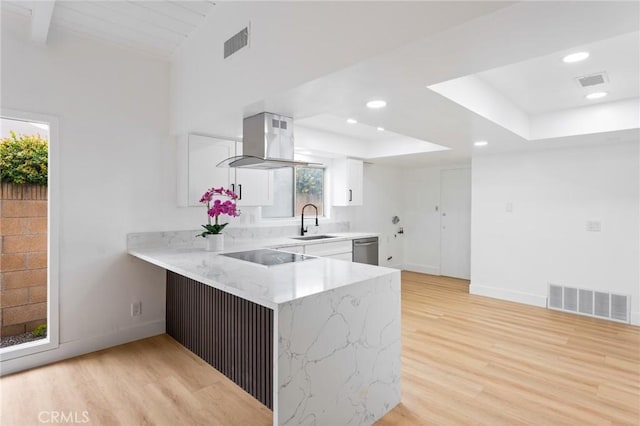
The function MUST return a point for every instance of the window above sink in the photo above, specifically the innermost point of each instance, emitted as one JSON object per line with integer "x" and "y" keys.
{"x": 295, "y": 188}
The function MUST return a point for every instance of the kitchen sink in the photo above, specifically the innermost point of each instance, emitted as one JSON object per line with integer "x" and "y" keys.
{"x": 313, "y": 237}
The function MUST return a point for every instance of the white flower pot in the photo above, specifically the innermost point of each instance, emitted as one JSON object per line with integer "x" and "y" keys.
{"x": 215, "y": 242}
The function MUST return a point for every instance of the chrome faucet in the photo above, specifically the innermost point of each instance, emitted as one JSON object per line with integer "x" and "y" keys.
{"x": 302, "y": 228}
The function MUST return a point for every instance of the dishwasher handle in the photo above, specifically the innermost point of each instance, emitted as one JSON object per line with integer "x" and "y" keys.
{"x": 365, "y": 244}
{"x": 365, "y": 241}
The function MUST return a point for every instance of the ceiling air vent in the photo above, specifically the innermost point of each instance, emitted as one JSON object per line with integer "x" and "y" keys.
{"x": 593, "y": 79}
{"x": 236, "y": 42}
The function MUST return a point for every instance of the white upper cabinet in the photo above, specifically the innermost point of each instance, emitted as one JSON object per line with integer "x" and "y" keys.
{"x": 197, "y": 172}
{"x": 254, "y": 187}
{"x": 347, "y": 177}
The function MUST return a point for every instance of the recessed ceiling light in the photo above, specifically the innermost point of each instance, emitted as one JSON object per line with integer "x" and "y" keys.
{"x": 381, "y": 129}
{"x": 352, "y": 120}
{"x": 378, "y": 103}
{"x": 596, "y": 95}
{"x": 575, "y": 57}
{"x": 481, "y": 143}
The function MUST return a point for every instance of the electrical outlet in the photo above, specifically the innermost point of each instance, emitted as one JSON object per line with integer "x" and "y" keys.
{"x": 136, "y": 309}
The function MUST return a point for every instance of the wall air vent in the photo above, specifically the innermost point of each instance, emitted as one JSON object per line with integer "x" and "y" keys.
{"x": 591, "y": 303}
{"x": 236, "y": 42}
{"x": 593, "y": 79}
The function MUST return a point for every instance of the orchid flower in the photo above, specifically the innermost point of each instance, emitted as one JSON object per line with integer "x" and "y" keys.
{"x": 217, "y": 207}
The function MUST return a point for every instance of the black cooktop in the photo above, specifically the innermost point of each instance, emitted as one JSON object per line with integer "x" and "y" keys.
{"x": 267, "y": 257}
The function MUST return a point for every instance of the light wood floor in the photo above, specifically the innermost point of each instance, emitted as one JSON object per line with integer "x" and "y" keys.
{"x": 466, "y": 360}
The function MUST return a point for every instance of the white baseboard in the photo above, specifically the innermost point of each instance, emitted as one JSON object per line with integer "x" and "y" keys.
{"x": 510, "y": 295}
{"x": 635, "y": 318}
{"x": 394, "y": 266}
{"x": 80, "y": 347}
{"x": 423, "y": 269}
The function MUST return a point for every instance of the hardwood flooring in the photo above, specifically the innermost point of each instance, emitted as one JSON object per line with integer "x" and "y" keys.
{"x": 467, "y": 360}
{"x": 479, "y": 361}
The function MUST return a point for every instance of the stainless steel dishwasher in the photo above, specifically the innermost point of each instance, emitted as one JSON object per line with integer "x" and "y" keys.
{"x": 365, "y": 250}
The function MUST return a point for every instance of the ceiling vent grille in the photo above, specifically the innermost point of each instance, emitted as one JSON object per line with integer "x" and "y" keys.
{"x": 593, "y": 79}
{"x": 236, "y": 42}
{"x": 597, "y": 304}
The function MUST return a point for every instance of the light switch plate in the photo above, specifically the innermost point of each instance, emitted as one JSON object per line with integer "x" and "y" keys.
{"x": 594, "y": 226}
{"x": 136, "y": 309}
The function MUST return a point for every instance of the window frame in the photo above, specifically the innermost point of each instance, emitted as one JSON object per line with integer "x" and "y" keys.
{"x": 296, "y": 215}
{"x": 324, "y": 191}
{"x": 20, "y": 353}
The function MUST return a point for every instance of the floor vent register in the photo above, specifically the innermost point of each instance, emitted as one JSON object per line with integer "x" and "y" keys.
{"x": 593, "y": 303}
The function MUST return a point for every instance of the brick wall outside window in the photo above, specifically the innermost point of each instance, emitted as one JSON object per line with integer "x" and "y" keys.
{"x": 23, "y": 258}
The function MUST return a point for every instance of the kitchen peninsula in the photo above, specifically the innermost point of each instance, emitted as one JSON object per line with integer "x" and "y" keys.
{"x": 315, "y": 339}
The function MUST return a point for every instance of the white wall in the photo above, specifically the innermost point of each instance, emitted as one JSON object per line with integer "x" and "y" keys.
{"x": 117, "y": 176}
{"x": 544, "y": 240}
{"x": 382, "y": 200}
{"x": 421, "y": 221}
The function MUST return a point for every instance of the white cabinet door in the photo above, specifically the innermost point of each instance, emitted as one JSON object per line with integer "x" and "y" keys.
{"x": 328, "y": 249}
{"x": 342, "y": 256}
{"x": 355, "y": 178}
{"x": 254, "y": 187}
{"x": 347, "y": 176}
{"x": 292, "y": 249}
{"x": 197, "y": 171}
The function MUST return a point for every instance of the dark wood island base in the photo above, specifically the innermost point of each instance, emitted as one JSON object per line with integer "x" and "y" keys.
{"x": 232, "y": 334}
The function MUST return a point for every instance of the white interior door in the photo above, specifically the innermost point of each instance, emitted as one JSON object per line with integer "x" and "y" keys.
{"x": 455, "y": 203}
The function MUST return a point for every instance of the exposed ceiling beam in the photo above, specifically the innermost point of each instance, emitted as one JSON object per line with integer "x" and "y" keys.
{"x": 41, "y": 14}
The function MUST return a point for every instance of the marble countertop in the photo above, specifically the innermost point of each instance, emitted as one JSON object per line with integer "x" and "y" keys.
{"x": 265, "y": 285}
{"x": 283, "y": 242}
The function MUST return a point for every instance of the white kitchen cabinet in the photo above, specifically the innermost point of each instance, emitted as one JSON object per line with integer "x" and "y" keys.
{"x": 291, "y": 249}
{"x": 329, "y": 249}
{"x": 348, "y": 177}
{"x": 197, "y": 172}
{"x": 341, "y": 256}
{"x": 254, "y": 187}
{"x": 342, "y": 250}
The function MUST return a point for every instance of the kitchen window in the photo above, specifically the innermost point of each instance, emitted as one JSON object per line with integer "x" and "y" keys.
{"x": 293, "y": 188}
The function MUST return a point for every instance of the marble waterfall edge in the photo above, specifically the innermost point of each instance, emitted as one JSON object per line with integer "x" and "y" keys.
{"x": 339, "y": 355}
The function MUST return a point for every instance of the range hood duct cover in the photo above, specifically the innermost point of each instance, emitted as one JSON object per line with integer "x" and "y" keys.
{"x": 267, "y": 143}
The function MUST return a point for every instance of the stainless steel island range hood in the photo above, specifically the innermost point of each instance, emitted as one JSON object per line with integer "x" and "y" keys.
{"x": 267, "y": 143}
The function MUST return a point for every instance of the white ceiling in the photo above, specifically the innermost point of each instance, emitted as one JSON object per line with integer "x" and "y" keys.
{"x": 504, "y": 44}
{"x": 153, "y": 27}
{"x": 547, "y": 84}
{"x": 340, "y": 125}
{"x": 355, "y": 139}
{"x": 400, "y": 76}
